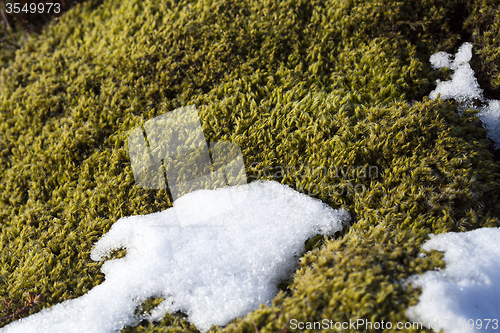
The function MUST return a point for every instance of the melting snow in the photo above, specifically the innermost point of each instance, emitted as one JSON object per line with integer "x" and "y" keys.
{"x": 464, "y": 87}
{"x": 463, "y": 296}
{"x": 213, "y": 272}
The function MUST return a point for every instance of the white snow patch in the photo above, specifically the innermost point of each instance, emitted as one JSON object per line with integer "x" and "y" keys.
{"x": 463, "y": 87}
{"x": 213, "y": 273}
{"x": 440, "y": 60}
{"x": 462, "y": 57}
{"x": 490, "y": 116}
{"x": 467, "y": 289}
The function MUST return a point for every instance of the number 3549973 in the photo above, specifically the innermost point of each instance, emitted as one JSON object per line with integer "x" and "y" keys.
{"x": 48, "y": 7}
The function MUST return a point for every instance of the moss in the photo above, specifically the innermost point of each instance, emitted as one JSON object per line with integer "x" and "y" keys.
{"x": 484, "y": 26}
{"x": 301, "y": 86}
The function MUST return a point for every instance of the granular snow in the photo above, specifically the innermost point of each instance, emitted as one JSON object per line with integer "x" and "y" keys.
{"x": 464, "y": 88}
{"x": 466, "y": 294}
{"x": 213, "y": 273}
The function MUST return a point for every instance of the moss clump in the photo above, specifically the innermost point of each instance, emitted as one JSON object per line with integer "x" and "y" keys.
{"x": 300, "y": 86}
{"x": 484, "y": 26}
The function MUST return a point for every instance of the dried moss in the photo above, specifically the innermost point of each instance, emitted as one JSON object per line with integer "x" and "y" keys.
{"x": 299, "y": 86}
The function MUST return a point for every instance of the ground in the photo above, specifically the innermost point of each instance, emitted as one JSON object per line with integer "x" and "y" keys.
{"x": 299, "y": 86}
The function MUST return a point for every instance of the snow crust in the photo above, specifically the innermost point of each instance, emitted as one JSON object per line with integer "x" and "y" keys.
{"x": 490, "y": 116}
{"x": 464, "y": 88}
{"x": 467, "y": 289}
{"x": 463, "y": 84}
{"x": 214, "y": 272}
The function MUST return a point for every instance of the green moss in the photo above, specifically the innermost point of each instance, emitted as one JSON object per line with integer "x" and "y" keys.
{"x": 300, "y": 86}
{"x": 484, "y": 27}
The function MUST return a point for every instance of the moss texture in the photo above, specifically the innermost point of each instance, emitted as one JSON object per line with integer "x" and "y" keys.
{"x": 299, "y": 86}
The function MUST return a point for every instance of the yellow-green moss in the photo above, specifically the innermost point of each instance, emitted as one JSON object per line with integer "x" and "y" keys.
{"x": 296, "y": 84}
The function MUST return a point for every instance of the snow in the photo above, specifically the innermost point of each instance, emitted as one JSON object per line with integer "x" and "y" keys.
{"x": 440, "y": 60}
{"x": 467, "y": 289}
{"x": 464, "y": 88}
{"x": 462, "y": 58}
{"x": 463, "y": 85}
{"x": 214, "y": 270}
{"x": 465, "y": 296}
